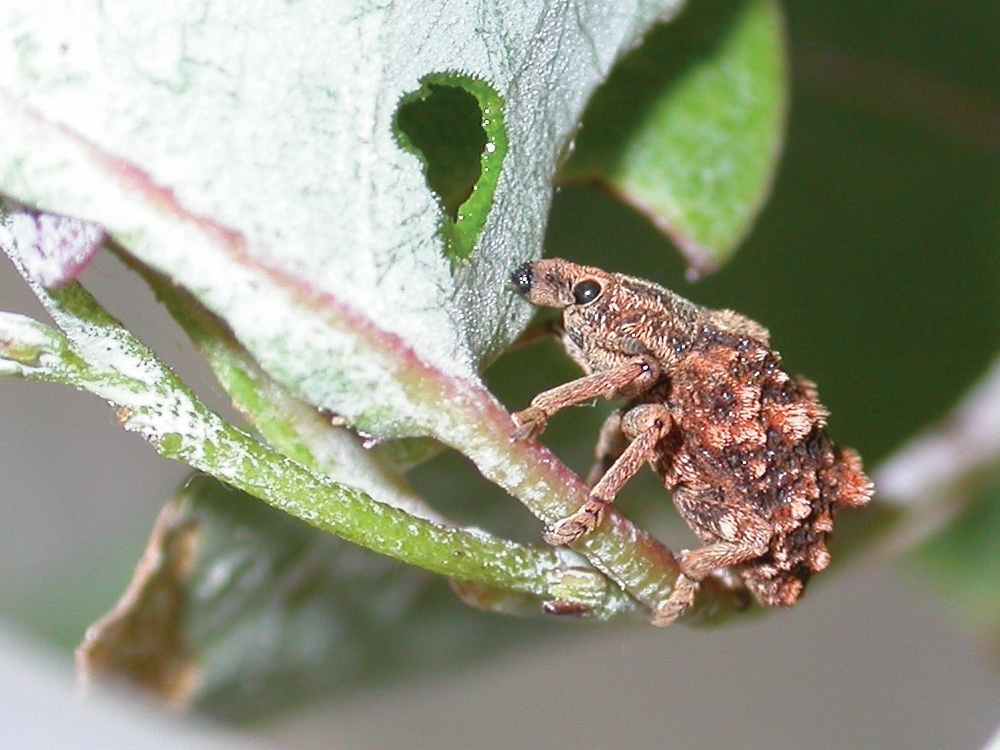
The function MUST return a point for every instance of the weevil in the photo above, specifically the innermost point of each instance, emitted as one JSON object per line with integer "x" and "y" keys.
{"x": 740, "y": 443}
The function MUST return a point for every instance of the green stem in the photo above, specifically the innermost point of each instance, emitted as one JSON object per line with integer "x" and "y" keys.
{"x": 290, "y": 425}
{"x": 300, "y": 432}
{"x": 97, "y": 354}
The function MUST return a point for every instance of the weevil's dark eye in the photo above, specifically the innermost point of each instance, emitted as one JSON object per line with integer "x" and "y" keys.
{"x": 586, "y": 291}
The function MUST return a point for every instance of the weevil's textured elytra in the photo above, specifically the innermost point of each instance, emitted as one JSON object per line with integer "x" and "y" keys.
{"x": 739, "y": 442}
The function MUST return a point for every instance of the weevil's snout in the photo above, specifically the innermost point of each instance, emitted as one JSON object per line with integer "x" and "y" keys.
{"x": 522, "y": 278}
{"x": 546, "y": 283}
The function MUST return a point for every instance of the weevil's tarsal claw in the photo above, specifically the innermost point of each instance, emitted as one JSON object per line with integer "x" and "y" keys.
{"x": 581, "y": 523}
{"x": 530, "y": 423}
{"x": 679, "y": 601}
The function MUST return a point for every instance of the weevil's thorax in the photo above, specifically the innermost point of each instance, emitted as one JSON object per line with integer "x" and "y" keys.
{"x": 631, "y": 317}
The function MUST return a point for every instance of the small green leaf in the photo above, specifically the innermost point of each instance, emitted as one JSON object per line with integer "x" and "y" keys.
{"x": 688, "y": 128}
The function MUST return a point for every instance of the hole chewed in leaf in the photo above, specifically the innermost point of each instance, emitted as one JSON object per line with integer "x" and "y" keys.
{"x": 445, "y": 126}
{"x": 454, "y": 125}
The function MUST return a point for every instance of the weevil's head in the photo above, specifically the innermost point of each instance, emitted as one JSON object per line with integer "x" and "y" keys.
{"x": 563, "y": 285}
{"x": 608, "y": 317}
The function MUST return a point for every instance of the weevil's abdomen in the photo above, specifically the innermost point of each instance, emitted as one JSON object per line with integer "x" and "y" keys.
{"x": 756, "y": 437}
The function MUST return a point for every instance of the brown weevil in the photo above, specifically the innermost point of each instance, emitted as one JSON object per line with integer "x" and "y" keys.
{"x": 739, "y": 442}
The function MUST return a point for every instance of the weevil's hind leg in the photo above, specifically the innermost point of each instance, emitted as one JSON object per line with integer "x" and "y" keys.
{"x": 646, "y": 425}
{"x": 611, "y": 443}
{"x": 743, "y": 536}
{"x": 680, "y": 600}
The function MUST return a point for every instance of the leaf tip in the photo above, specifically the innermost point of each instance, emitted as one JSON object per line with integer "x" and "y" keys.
{"x": 54, "y": 249}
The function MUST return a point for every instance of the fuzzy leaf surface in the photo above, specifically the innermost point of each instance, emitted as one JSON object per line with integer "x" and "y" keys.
{"x": 254, "y": 154}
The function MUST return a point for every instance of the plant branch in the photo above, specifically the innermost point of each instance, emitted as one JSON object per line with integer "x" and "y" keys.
{"x": 964, "y": 443}
{"x": 290, "y": 425}
{"x": 933, "y": 476}
{"x": 299, "y": 431}
{"x": 336, "y": 356}
{"x": 98, "y": 355}
{"x": 302, "y": 433}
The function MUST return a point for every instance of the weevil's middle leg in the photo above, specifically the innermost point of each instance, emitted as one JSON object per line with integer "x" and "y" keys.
{"x": 611, "y": 443}
{"x": 646, "y": 425}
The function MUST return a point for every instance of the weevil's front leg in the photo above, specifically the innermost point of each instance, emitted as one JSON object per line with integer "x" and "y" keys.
{"x": 629, "y": 379}
{"x": 646, "y": 425}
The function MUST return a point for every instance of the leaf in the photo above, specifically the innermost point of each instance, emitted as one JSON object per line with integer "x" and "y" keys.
{"x": 142, "y": 638}
{"x": 254, "y": 158}
{"x": 273, "y": 188}
{"x": 689, "y": 126}
{"x": 271, "y": 614}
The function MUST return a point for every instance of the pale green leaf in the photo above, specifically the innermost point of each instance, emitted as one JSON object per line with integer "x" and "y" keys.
{"x": 254, "y": 156}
